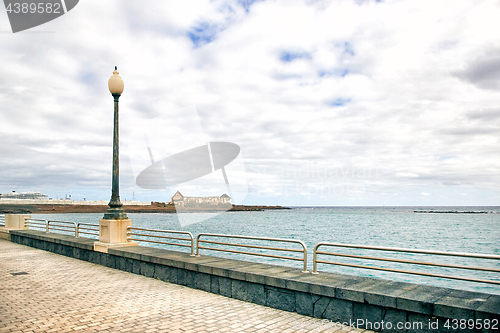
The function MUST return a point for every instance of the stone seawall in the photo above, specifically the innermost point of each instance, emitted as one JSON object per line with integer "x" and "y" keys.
{"x": 355, "y": 301}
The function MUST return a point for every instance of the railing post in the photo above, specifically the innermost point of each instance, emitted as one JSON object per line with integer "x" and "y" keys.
{"x": 315, "y": 258}
{"x": 192, "y": 246}
{"x": 47, "y": 226}
{"x": 77, "y": 235}
{"x": 198, "y": 245}
{"x": 304, "y": 246}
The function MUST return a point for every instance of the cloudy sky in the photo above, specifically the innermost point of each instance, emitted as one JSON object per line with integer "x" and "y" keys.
{"x": 331, "y": 102}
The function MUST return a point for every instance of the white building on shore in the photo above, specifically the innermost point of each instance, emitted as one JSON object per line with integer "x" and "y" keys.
{"x": 37, "y": 198}
{"x": 25, "y": 195}
{"x": 206, "y": 202}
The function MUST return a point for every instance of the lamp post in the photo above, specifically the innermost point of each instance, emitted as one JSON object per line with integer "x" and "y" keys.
{"x": 115, "y": 210}
{"x": 113, "y": 226}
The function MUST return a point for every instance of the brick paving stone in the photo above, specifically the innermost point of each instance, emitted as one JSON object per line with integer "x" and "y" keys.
{"x": 62, "y": 294}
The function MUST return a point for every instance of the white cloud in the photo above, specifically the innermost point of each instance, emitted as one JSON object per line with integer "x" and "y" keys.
{"x": 368, "y": 95}
{"x": 407, "y": 175}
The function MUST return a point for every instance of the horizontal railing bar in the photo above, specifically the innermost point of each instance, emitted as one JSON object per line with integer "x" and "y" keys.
{"x": 56, "y": 221}
{"x": 455, "y": 254}
{"x": 158, "y": 242}
{"x": 88, "y": 233}
{"x": 62, "y": 225}
{"x": 409, "y": 272}
{"x": 158, "y": 236}
{"x": 157, "y": 230}
{"x": 252, "y": 246}
{"x": 252, "y": 237}
{"x": 53, "y": 228}
{"x": 52, "y": 221}
{"x": 251, "y": 253}
{"x": 410, "y": 262}
{"x": 83, "y": 228}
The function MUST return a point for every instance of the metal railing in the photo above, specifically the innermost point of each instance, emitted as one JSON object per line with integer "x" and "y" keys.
{"x": 2, "y": 220}
{"x": 131, "y": 234}
{"x": 35, "y": 223}
{"x": 73, "y": 227}
{"x": 304, "y": 247}
{"x": 169, "y": 237}
{"x": 87, "y": 228}
{"x": 62, "y": 226}
{"x": 412, "y": 262}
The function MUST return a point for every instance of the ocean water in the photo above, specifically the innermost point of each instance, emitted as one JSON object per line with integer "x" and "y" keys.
{"x": 398, "y": 227}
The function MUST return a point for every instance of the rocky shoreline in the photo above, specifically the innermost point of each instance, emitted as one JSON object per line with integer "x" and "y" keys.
{"x": 155, "y": 207}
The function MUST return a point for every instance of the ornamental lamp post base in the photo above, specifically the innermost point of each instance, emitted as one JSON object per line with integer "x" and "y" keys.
{"x": 115, "y": 212}
{"x": 113, "y": 233}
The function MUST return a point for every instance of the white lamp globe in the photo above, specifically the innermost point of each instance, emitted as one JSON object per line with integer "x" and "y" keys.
{"x": 115, "y": 83}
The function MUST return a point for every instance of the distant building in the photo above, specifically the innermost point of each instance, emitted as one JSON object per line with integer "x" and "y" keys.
{"x": 24, "y": 195}
{"x": 37, "y": 198}
{"x": 224, "y": 201}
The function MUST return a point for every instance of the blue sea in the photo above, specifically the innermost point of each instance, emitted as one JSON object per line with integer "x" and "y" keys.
{"x": 399, "y": 227}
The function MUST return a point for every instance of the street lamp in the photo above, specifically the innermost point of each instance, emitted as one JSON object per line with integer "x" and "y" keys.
{"x": 113, "y": 227}
{"x": 115, "y": 210}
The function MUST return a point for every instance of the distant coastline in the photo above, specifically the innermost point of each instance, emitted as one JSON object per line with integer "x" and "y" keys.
{"x": 155, "y": 207}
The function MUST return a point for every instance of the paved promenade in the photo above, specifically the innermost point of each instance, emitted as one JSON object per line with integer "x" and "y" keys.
{"x": 46, "y": 292}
